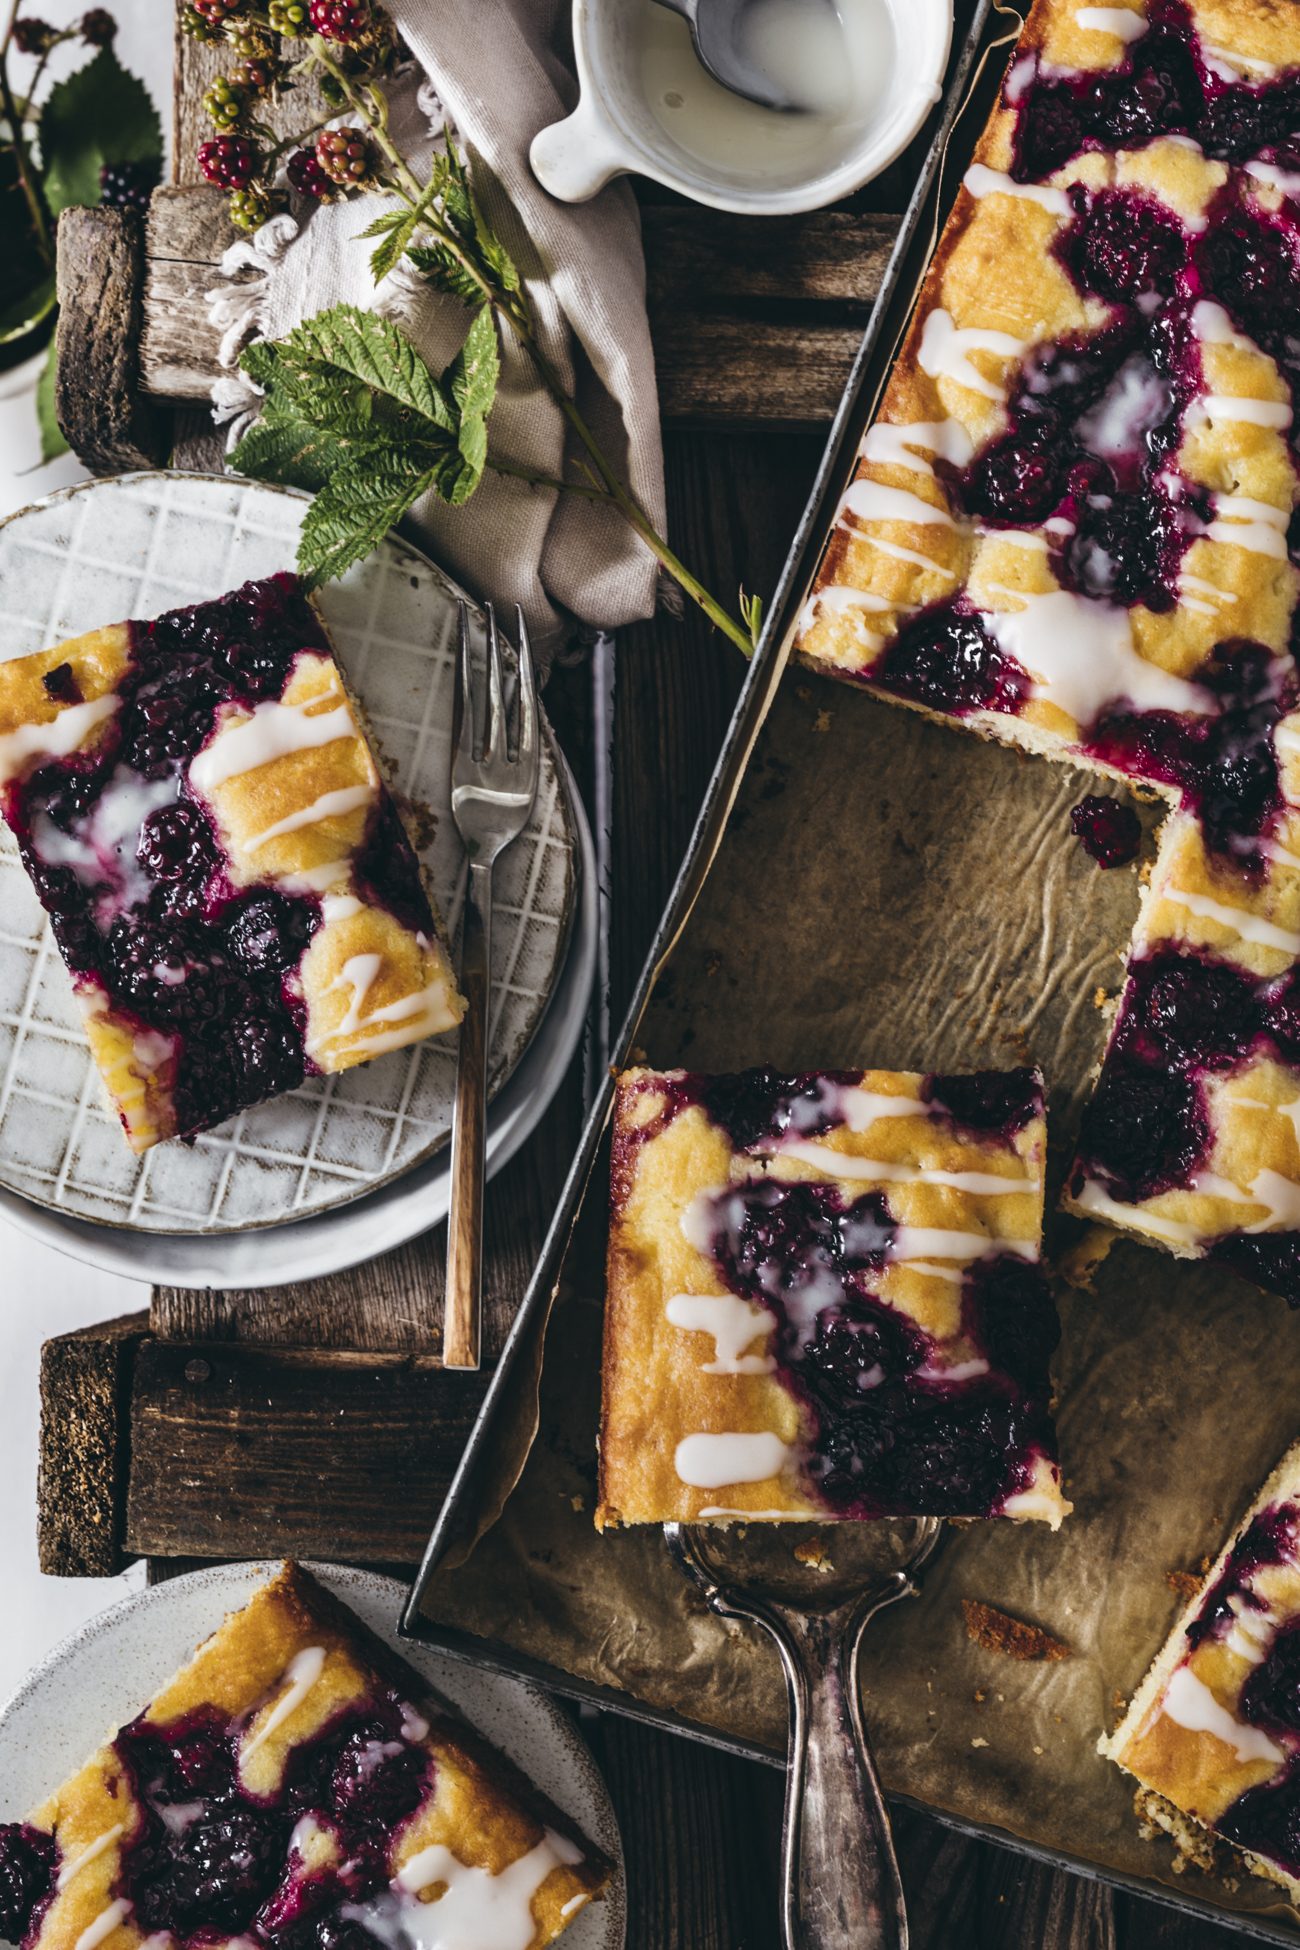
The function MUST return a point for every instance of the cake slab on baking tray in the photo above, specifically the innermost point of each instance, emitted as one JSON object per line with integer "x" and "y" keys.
{"x": 139, "y": 545}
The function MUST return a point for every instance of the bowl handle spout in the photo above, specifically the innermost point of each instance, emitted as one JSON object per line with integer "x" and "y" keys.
{"x": 575, "y": 158}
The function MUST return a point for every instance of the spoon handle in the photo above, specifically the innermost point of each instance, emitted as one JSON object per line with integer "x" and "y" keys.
{"x": 841, "y": 1886}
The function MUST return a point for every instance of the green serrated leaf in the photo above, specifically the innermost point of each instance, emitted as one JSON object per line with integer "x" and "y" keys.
{"x": 353, "y": 512}
{"x": 100, "y": 114}
{"x": 295, "y": 452}
{"x": 443, "y": 270}
{"x": 52, "y": 442}
{"x": 493, "y": 252}
{"x": 471, "y": 379}
{"x": 372, "y": 350}
{"x": 24, "y": 313}
{"x": 386, "y": 220}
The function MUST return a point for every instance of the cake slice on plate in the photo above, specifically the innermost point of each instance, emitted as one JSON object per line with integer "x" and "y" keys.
{"x": 824, "y": 1299}
{"x": 295, "y": 1787}
{"x": 227, "y": 874}
{"x": 1213, "y": 1731}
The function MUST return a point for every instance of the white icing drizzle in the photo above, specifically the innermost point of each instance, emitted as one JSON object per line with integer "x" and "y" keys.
{"x": 273, "y": 731}
{"x": 75, "y": 1863}
{"x": 1231, "y": 66}
{"x": 840, "y": 600}
{"x": 981, "y": 181}
{"x": 1275, "y": 177}
{"x": 1213, "y": 326}
{"x": 358, "y": 973}
{"x": 414, "y": 1725}
{"x": 1093, "y": 1199}
{"x": 302, "y": 1672}
{"x": 733, "y": 1323}
{"x": 316, "y": 880}
{"x": 330, "y": 805}
{"x": 1026, "y": 538}
{"x": 1212, "y": 407}
{"x": 1034, "y": 1502}
{"x": 339, "y": 907}
{"x": 891, "y": 445}
{"x": 1290, "y": 1110}
{"x": 1080, "y": 655}
{"x": 872, "y": 501}
{"x": 752, "y": 1516}
{"x": 953, "y": 1370}
{"x": 1256, "y": 526}
{"x": 1189, "y": 1703}
{"x": 913, "y": 1243}
{"x": 945, "y": 353}
{"x": 1252, "y": 1630}
{"x": 476, "y": 1910}
{"x": 57, "y": 739}
{"x": 711, "y": 1462}
{"x": 1207, "y": 598}
{"x": 860, "y": 1108}
{"x": 898, "y": 550}
{"x": 1119, "y": 21}
{"x": 1250, "y": 927}
{"x": 934, "y": 1272}
{"x": 104, "y": 1924}
{"x": 843, "y": 1164}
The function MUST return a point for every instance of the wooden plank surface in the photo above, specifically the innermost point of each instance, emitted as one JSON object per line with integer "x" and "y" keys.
{"x": 85, "y": 1385}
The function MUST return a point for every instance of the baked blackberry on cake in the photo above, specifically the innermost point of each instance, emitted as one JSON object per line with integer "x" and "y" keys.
{"x": 226, "y": 873}
{"x": 824, "y": 1299}
{"x": 1214, "y": 1728}
{"x": 295, "y": 1787}
{"x": 1071, "y": 528}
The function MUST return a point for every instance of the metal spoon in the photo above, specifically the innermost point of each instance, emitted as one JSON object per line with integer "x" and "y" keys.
{"x": 840, "y": 1881}
{"x": 717, "y": 29}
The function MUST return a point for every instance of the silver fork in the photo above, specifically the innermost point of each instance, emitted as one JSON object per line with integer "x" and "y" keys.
{"x": 492, "y": 797}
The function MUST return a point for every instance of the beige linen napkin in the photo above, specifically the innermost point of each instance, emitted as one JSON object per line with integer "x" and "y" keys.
{"x": 494, "y": 66}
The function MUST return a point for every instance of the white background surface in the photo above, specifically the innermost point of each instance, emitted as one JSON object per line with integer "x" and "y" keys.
{"x": 41, "y": 1292}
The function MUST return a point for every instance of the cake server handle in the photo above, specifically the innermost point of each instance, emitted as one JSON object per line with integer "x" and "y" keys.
{"x": 841, "y": 1889}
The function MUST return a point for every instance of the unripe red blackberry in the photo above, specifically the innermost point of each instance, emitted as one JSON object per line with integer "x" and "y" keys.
{"x": 98, "y": 27}
{"x": 340, "y": 20}
{"x": 249, "y": 43}
{"x": 196, "y": 27}
{"x": 306, "y": 175}
{"x": 256, "y": 75}
{"x": 228, "y": 161}
{"x": 250, "y": 208}
{"x": 344, "y": 155}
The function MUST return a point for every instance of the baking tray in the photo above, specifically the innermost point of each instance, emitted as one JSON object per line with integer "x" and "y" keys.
{"x": 1171, "y": 1413}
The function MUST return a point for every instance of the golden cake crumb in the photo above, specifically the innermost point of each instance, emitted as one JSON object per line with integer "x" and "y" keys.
{"x": 996, "y": 1632}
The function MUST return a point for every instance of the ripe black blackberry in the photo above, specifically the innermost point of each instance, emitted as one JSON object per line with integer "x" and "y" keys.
{"x": 98, "y": 27}
{"x": 128, "y": 185}
{"x": 32, "y": 36}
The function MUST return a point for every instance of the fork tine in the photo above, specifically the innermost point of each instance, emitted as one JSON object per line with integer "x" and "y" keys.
{"x": 495, "y": 737}
{"x": 527, "y": 753}
{"x": 462, "y": 710}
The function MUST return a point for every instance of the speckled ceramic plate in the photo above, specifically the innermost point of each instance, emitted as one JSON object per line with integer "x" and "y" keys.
{"x": 101, "y": 1676}
{"x": 139, "y": 544}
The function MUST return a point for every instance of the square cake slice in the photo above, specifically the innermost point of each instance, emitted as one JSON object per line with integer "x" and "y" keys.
{"x": 295, "y": 1787}
{"x": 824, "y": 1299}
{"x": 1213, "y": 1730}
{"x": 227, "y": 874}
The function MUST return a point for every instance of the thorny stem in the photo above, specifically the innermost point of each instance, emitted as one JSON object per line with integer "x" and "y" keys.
{"x": 513, "y": 307}
{"x": 26, "y": 175}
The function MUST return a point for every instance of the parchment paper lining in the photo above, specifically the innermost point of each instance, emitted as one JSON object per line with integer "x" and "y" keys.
{"x": 893, "y": 892}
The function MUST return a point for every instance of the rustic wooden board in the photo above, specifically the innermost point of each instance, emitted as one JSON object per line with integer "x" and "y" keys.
{"x": 85, "y": 1388}
{"x": 105, "y": 416}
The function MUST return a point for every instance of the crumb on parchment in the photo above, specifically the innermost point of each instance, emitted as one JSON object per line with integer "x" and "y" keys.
{"x": 996, "y": 1632}
{"x": 812, "y": 1551}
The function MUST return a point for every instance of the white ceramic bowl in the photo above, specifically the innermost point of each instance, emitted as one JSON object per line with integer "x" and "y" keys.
{"x": 614, "y": 130}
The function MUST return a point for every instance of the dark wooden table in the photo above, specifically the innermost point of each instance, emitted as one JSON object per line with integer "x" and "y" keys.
{"x": 755, "y": 325}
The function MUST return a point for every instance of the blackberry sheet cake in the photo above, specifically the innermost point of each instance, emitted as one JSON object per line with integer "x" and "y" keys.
{"x": 226, "y": 872}
{"x": 824, "y": 1299}
{"x": 1071, "y": 528}
{"x": 1214, "y": 1729}
{"x": 294, "y": 1787}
